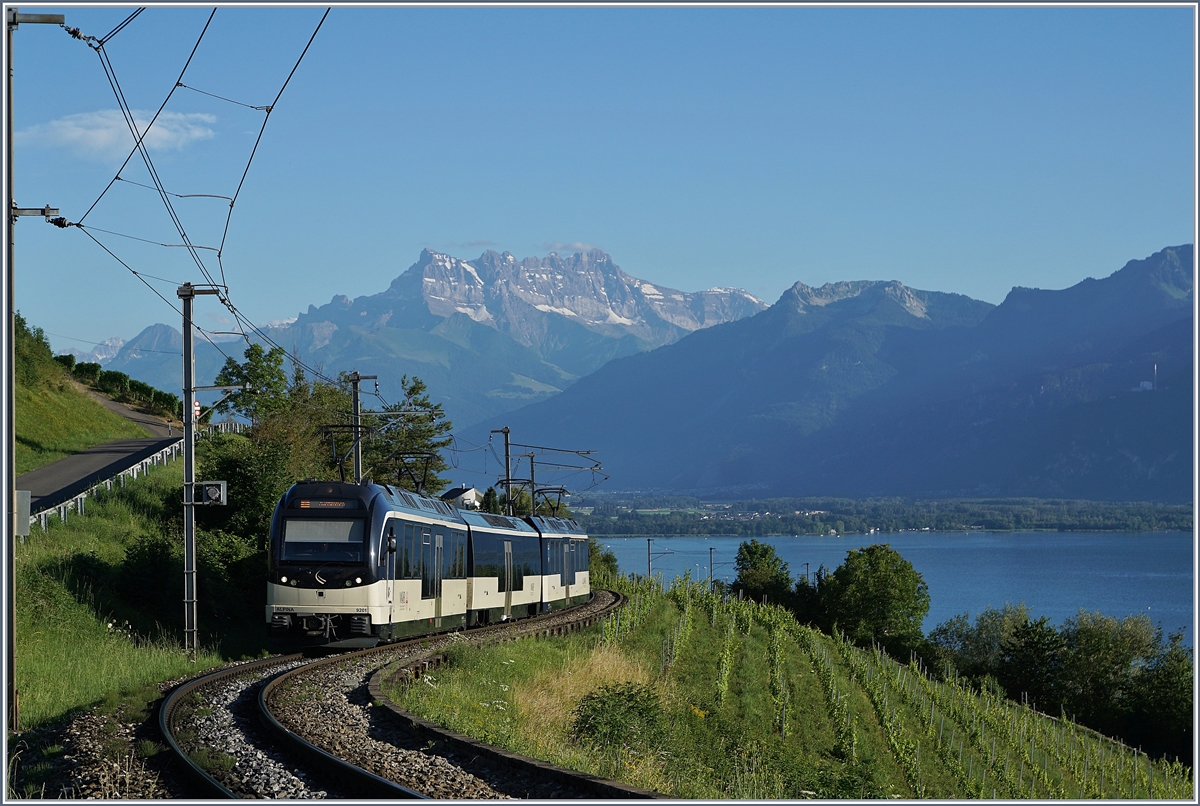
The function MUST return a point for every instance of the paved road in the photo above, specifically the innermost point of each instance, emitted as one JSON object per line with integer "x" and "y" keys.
{"x": 63, "y": 480}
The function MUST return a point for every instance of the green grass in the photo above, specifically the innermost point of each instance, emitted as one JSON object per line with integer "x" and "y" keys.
{"x": 886, "y": 730}
{"x": 99, "y": 605}
{"x": 53, "y": 422}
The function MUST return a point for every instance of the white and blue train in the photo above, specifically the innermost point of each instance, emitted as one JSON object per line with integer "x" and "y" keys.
{"x": 356, "y": 565}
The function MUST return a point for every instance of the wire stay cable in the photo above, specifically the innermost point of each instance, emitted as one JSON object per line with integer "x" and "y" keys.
{"x": 176, "y": 195}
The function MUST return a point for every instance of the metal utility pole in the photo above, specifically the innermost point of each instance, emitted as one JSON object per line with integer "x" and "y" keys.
{"x": 355, "y": 378}
{"x": 710, "y": 566}
{"x": 187, "y": 292}
{"x": 508, "y": 504}
{"x": 7, "y": 489}
{"x": 532, "y": 486}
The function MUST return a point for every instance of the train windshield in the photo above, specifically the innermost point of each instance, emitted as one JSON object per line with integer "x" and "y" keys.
{"x": 323, "y": 541}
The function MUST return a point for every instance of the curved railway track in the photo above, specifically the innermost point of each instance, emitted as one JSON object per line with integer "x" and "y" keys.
{"x": 295, "y": 727}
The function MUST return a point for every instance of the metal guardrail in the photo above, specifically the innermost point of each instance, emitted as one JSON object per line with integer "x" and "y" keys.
{"x": 136, "y": 469}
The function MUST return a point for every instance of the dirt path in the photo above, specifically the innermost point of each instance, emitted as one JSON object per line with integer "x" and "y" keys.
{"x": 157, "y": 426}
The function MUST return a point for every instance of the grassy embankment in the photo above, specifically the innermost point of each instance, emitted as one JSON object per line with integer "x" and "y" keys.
{"x": 55, "y": 420}
{"x": 99, "y": 608}
{"x": 737, "y": 700}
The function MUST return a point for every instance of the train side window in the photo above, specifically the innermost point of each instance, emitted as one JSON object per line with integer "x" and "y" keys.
{"x": 412, "y": 552}
{"x": 456, "y": 556}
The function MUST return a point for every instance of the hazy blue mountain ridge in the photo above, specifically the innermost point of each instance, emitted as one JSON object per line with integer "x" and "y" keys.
{"x": 871, "y": 388}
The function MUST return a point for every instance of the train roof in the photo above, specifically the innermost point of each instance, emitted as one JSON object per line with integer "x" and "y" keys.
{"x": 486, "y": 520}
{"x": 558, "y": 526}
{"x": 396, "y": 498}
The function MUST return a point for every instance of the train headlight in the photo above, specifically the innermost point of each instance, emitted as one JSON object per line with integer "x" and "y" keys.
{"x": 358, "y": 580}
{"x": 348, "y": 583}
{"x": 293, "y": 583}
{"x": 283, "y": 580}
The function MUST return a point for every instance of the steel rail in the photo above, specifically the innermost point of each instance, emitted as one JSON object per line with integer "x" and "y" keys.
{"x": 369, "y": 784}
{"x": 170, "y": 706}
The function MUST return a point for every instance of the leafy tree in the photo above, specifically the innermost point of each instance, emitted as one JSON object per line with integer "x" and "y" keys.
{"x": 417, "y": 426}
{"x": 1161, "y": 701}
{"x": 876, "y": 595}
{"x": 491, "y": 502}
{"x": 761, "y": 572}
{"x": 114, "y": 382}
{"x": 522, "y": 504}
{"x": 88, "y": 372}
{"x": 1101, "y": 652}
{"x": 1032, "y": 665}
{"x": 807, "y": 601}
{"x": 263, "y": 370}
{"x": 602, "y": 564}
{"x": 256, "y": 475}
{"x": 67, "y": 360}
{"x": 33, "y": 358}
{"x": 976, "y": 650}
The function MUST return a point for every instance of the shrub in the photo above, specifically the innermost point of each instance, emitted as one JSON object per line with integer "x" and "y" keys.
{"x": 88, "y": 372}
{"x": 113, "y": 382}
{"x": 619, "y": 714}
{"x": 33, "y": 358}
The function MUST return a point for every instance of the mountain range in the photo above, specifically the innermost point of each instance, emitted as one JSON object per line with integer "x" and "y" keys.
{"x": 856, "y": 389}
{"x": 871, "y": 388}
{"x": 487, "y": 335}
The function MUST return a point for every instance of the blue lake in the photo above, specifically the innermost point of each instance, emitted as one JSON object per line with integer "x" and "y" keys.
{"x": 1053, "y": 573}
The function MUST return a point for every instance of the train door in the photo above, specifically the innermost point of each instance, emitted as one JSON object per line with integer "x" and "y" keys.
{"x": 437, "y": 580}
{"x": 389, "y": 574}
{"x": 567, "y": 576}
{"x": 427, "y": 567}
{"x": 508, "y": 579}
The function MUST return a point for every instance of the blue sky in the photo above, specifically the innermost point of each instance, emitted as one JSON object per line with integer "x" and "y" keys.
{"x": 955, "y": 149}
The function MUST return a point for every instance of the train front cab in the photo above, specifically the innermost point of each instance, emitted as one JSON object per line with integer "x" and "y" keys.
{"x": 565, "y": 568}
{"x": 504, "y": 578}
{"x": 322, "y": 587}
{"x": 352, "y": 565}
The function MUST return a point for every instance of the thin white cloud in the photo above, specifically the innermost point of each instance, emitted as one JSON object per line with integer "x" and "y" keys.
{"x": 573, "y": 246}
{"x": 104, "y": 135}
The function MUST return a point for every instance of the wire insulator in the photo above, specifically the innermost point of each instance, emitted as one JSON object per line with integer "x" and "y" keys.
{"x": 61, "y": 222}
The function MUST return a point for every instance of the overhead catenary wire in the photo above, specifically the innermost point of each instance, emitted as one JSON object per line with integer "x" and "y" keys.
{"x": 75, "y": 32}
{"x": 138, "y": 275}
{"x": 127, "y": 113}
{"x": 101, "y": 344}
{"x": 121, "y": 27}
{"x": 139, "y": 147}
{"x": 266, "y": 117}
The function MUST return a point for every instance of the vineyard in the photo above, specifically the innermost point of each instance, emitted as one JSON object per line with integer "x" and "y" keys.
{"x": 748, "y": 703}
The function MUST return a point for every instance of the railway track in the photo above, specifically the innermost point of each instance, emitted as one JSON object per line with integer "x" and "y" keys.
{"x": 294, "y": 727}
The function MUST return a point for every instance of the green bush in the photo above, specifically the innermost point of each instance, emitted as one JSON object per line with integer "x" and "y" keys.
{"x": 87, "y": 372}
{"x": 113, "y": 382}
{"x": 619, "y": 714}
